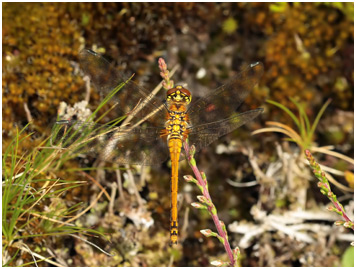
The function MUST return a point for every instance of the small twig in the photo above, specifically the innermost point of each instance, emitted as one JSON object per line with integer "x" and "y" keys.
{"x": 83, "y": 212}
{"x": 58, "y": 258}
{"x": 333, "y": 153}
{"x": 142, "y": 175}
{"x": 17, "y": 245}
{"x": 28, "y": 112}
{"x": 242, "y": 184}
{"x": 113, "y": 193}
{"x": 30, "y": 251}
{"x": 50, "y": 219}
{"x": 171, "y": 260}
{"x": 96, "y": 183}
{"x": 100, "y": 173}
{"x": 132, "y": 182}
{"x": 260, "y": 176}
{"x": 87, "y": 88}
{"x": 92, "y": 244}
{"x": 337, "y": 184}
{"x": 330, "y": 170}
{"x": 185, "y": 221}
{"x": 299, "y": 236}
{"x": 44, "y": 193}
{"x": 119, "y": 184}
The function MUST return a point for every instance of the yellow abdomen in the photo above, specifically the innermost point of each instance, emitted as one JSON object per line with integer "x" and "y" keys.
{"x": 175, "y": 145}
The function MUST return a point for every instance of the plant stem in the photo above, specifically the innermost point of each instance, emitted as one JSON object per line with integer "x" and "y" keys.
{"x": 211, "y": 208}
{"x": 326, "y": 190}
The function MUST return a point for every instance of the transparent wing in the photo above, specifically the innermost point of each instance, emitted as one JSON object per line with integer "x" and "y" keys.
{"x": 142, "y": 146}
{"x": 224, "y": 101}
{"x": 204, "y": 134}
{"x": 106, "y": 77}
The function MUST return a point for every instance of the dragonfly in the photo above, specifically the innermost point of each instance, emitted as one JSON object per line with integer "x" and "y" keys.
{"x": 167, "y": 124}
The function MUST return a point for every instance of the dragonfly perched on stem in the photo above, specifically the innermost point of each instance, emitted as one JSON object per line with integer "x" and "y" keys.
{"x": 161, "y": 125}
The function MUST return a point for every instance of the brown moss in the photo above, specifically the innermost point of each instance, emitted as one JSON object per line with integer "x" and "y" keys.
{"x": 39, "y": 42}
{"x": 308, "y": 61}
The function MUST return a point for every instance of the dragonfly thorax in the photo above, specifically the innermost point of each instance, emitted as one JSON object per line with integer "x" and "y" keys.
{"x": 176, "y": 125}
{"x": 177, "y": 122}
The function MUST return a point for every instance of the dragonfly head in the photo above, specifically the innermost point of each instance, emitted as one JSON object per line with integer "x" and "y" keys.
{"x": 179, "y": 94}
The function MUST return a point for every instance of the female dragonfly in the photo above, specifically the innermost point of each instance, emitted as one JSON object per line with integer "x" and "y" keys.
{"x": 167, "y": 123}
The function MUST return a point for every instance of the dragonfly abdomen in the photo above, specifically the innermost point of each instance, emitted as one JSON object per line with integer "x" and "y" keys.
{"x": 175, "y": 146}
{"x": 176, "y": 131}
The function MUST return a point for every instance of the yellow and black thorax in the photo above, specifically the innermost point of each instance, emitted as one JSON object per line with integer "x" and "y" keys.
{"x": 177, "y": 99}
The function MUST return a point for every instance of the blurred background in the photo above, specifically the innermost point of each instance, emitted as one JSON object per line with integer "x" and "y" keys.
{"x": 308, "y": 55}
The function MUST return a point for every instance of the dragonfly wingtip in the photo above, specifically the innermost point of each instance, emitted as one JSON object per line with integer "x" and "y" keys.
{"x": 254, "y": 64}
{"x": 62, "y": 122}
{"x": 89, "y": 51}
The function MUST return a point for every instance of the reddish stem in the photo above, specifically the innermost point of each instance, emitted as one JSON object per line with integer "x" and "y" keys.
{"x": 325, "y": 184}
{"x": 215, "y": 217}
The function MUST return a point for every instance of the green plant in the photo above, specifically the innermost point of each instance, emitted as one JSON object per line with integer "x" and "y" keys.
{"x": 206, "y": 203}
{"x": 33, "y": 205}
{"x": 30, "y": 182}
{"x": 304, "y": 135}
{"x": 326, "y": 190}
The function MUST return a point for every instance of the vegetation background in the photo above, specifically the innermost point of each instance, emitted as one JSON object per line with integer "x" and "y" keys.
{"x": 308, "y": 53}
